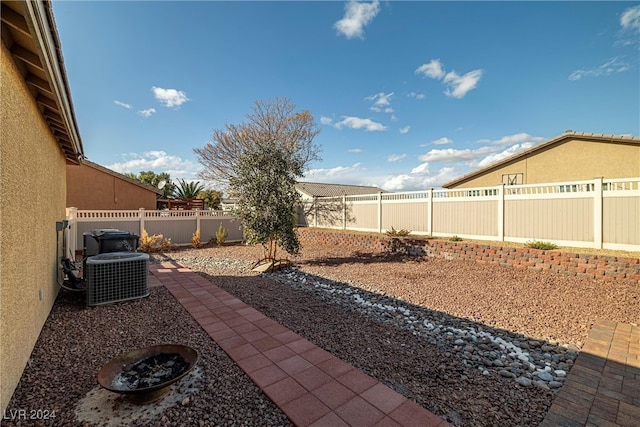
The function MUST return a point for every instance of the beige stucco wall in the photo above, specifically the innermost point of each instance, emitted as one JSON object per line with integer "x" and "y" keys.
{"x": 90, "y": 188}
{"x": 573, "y": 160}
{"x": 32, "y": 199}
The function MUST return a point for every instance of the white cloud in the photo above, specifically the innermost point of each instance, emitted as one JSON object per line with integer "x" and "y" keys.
{"x": 423, "y": 176}
{"x": 405, "y": 130}
{"x": 358, "y": 123}
{"x": 612, "y": 66}
{"x": 423, "y": 168}
{"x": 325, "y": 120}
{"x": 630, "y": 19}
{"x": 356, "y": 17}
{"x": 416, "y": 95}
{"x": 442, "y": 141}
{"x": 169, "y": 97}
{"x": 459, "y": 86}
{"x": 147, "y": 112}
{"x": 420, "y": 178}
{"x": 396, "y": 157}
{"x": 158, "y": 162}
{"x": 122, "y": 104}
{"x": 337, "y": 175}
{"x": 488, "y": 153}
{"x": 381, "y": 99}
{"x": 382, "y": 102}
{"x": 448, "y": 155}
{"x": 516, "y": 138}
{"x": 355, "y": 150}
{"x": 433, "y": 69}
{"x": 514, "y": 149}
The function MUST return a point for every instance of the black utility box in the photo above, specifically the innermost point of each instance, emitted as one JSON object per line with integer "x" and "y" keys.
{"x": 107, "y": 240}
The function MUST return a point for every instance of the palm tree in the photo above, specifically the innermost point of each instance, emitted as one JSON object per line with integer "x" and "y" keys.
{"x": 188, "y": 190}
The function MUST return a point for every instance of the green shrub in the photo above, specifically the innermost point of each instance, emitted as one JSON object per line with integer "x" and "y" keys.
{"x": 221, "y": 235}
{"x": 535, "y": 244}
{"x": 455, "y": 239}
{"x": 397, "y": 233}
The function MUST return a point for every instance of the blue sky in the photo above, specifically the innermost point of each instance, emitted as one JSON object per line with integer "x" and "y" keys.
{"x": 408, "y": 95}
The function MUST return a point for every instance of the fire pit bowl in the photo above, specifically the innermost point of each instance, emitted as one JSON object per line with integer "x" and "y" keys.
{"x": 146, "y": 375}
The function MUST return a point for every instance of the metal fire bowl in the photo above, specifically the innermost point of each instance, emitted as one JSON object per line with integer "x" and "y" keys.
{"x": 109, "y": 372}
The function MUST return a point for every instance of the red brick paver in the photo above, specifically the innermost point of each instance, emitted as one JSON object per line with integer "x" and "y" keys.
{"x": 309, "y": 384}
{"x": 603, "y": 386}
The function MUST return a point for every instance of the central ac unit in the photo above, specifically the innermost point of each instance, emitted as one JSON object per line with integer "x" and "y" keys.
{"x": 116, "y": 276}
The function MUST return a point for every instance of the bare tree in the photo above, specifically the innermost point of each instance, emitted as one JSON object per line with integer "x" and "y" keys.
{"x": 273, "y": 124}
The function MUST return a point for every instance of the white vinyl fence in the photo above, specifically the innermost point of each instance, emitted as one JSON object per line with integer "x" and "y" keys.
{"x": 594, "y": 214}
{"x": 176, "y": 225}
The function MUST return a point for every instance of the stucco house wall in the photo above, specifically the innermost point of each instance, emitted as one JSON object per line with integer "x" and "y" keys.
{"x": 567, "y": 158}
{"x": 90, "y": 186}
{"x": 39, "y": 137}
{"x": 32, "y": 169}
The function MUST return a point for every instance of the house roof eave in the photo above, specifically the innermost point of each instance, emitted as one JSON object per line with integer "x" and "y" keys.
{"x": 34, "y": 43}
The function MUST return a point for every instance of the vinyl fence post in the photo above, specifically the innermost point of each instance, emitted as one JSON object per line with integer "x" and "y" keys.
{"x": 141, "y": 216}
{"x": 197, "y": 219}
{"x": 501, "y": 213}
{"x": 379, "y": 212}
{"x": 598, "y": 188}
{"x": 315, "y": 211}
{"x": 430, "y": 213}
{"x": 344, "y": 211}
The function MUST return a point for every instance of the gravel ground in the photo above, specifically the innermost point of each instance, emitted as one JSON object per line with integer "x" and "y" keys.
{"x": 77, "y": 341}
{"x": 475, "y": 344}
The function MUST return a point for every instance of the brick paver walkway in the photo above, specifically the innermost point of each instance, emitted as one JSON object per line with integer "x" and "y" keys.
{"x": 603, "y": 386}
{"x": 310, "y": 385}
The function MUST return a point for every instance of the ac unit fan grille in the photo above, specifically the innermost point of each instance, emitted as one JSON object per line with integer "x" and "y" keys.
{"x": 116, "y": 276}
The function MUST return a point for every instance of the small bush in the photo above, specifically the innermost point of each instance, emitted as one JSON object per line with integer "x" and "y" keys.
{"x": 166, "y": 245}
{"x": 397, "y": 233}
{"x": 535, "y": 244}
{"x": 195, "y": 239}
{"x": 147, "y": 243}
{"x": 221, "y": 235}
{"x": 155, "y": 243}
{"x": 455, "y": 239}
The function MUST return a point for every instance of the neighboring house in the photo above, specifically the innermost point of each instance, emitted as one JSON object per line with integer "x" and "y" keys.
{"x": 572, "y": 156}
{"x": 91, "y": 186}
{"x": 331, "y": 212}
{"x": 39, "y": 138}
